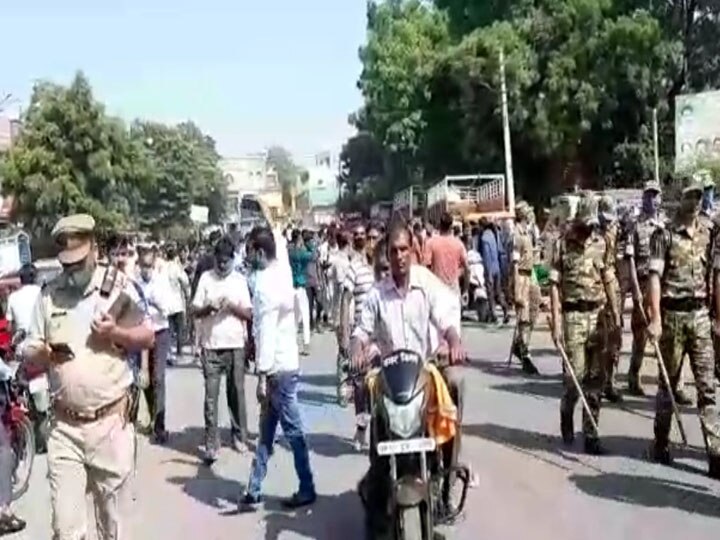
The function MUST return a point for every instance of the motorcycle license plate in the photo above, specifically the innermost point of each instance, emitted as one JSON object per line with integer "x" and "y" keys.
{"x": 38, "y": 385}
{"x": 407, "y": 446}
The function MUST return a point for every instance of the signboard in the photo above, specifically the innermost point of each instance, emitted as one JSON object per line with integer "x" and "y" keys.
{"x": 697, "y": 129}
{"x": 199, "y": 214}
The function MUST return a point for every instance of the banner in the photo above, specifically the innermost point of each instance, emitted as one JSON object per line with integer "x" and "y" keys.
{"x": 697, "y": 129}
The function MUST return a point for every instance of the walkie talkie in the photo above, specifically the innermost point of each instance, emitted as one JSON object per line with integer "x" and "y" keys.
{"x": 108, "y": 282}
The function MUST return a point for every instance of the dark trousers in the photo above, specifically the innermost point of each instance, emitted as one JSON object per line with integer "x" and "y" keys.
{"x": 493, "y": 283}
{"x": 313, "y": 295}
{"x": 7, "y": 458}
{"x": 177, "y": 327}
{"x": 282, "y": 408}
{"x": 215, "y": 363}
{"x": 155, "y": 392}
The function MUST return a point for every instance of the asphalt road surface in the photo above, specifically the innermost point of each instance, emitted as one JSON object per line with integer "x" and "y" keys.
{"x": 529, "y": 485}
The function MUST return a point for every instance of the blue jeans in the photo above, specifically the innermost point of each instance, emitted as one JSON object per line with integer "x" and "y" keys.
{"x": 282, "y": 407}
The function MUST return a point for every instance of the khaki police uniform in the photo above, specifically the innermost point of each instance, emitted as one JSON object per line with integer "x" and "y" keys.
{"x": 91, "y": 444}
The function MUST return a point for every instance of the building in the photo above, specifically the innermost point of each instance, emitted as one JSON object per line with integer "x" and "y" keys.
{"x": 250, "y": 175}
{"x": 9, "y": 131}
{"x": 318, "y": 195}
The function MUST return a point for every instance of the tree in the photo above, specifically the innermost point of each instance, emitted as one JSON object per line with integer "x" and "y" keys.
{"x": 361, "y": 160}
{"x": 287, "y": 171}
{"x": 185, "y": 172}
{"x": 71, "y": 157}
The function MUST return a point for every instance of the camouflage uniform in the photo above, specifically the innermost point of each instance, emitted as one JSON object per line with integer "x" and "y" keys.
{"x": 680, "y": 256}
{"x": 638, "y": 247}
{"x": 578, "y": 270}
{"x": 710, "y": 221}
{"x": 611, "y": 334}
{"x": 526, "y": 290}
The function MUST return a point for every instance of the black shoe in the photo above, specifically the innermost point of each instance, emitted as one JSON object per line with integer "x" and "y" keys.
{"x": 714, "y": 468}
{"x": 682, "y": 398}
{"x": 528, "y": 367}
{"x": 593, "y": 447}
{"x": 249, "y": 503}
{"x": 660, "y": 454}
{"x": 160, "y": 438}
{"x": 11, "y": 524}
{"x": 612, "y": 395}
{"x": 634, "y": 389}
{"x": 567, "y": 430}
{"x": 299, "y": 501}
{"x": 209, "y": 457}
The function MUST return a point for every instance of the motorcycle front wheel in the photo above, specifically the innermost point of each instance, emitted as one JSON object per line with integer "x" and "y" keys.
{"x": 23, "y": 445}
{"x": 410, "y": 526}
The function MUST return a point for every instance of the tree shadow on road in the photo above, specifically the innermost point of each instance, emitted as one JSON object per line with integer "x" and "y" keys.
{"x": 533, "y": 441}
{"x": 312, "y": 397}
{"x": 319, "y": 379}
{"x": 650, "y": 492}
{"x": 501, "y": 369}
{"x": 332, "y": 516}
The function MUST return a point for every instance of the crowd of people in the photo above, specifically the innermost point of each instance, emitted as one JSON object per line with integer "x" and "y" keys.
{"x": 250, "y": 304}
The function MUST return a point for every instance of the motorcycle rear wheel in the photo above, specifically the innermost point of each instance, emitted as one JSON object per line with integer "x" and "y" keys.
{"x": 23, "y": 445}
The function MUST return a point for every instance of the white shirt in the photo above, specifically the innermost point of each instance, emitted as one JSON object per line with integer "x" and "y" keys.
{"x": 274, "y": 321}
{"x": 222, "y": 330}
{"x": 179, "y": 286}
{"x": 20, "y": 306}
{"x": 159, "y": 297}
{"x": 396, "y": 320}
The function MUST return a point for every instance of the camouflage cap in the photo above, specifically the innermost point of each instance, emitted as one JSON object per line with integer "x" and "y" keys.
{"x": 80, "y": 226}
{"x": 607, "y": 208}
{"x": 587, "y": 209}
{"x": 652, "y": 185}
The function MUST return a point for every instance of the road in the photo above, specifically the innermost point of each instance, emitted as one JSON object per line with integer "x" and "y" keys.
{"x": 529, "y": 485}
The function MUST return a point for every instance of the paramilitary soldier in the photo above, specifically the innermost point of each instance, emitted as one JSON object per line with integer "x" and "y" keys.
{"x": 83, "y": 326}
{"x": 526, "y": 292}
{"x": 638, "y": 248}
{"x": 581, "y": 285}
{"x": 680, "y": 269}
{"x": 611, "y": 328}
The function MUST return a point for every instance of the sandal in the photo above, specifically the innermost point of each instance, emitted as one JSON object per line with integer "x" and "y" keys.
{"x": 11, "y": 524}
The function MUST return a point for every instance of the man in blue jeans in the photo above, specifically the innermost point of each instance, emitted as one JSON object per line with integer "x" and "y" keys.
{"x": 276, "y": 356}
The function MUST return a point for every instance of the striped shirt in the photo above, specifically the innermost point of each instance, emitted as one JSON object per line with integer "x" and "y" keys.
{"x": 358, "y": 281}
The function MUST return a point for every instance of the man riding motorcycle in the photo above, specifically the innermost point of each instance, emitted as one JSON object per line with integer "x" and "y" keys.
{"x": 403, "y": 311}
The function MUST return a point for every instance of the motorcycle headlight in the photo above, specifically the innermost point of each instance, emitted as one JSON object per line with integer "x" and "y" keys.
{"x": 405, "y": 420}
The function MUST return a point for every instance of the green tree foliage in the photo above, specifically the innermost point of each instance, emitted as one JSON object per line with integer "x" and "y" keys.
{"x": 583, "y": 78}
{"x": 72, "y": 157}
{"x": 287, "y": 170}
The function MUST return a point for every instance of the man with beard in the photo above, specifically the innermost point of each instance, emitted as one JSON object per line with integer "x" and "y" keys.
{"x": 83, "y": 327}
{"x": 581, "y": 279}
{"x": 679, "y": 270}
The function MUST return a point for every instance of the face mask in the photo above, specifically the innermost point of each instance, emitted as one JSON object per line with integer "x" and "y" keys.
{"x": 223, "y": 267}
{"x": 651, "y": 203}
{"x": 146, "y": 274}
{"x": 79, "y": 277}
{"x": 359, "y": 244}
{"x": 688, "y": 206}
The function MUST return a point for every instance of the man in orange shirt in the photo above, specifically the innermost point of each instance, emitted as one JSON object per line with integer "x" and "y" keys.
{"x": 445, "y": 255}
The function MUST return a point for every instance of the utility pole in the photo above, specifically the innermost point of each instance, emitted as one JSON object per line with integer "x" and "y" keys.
{"x": 509, "y": 177}
{"x": 656, "y": 145}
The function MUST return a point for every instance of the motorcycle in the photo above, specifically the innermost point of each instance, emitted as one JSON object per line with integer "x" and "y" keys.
{"x": 33, "y": 382}
{"x": 408, "y": 489}
{"x": 20, "y": 429}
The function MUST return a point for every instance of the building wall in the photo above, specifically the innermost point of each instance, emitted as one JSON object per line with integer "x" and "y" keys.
{"x": 249, "y": 175}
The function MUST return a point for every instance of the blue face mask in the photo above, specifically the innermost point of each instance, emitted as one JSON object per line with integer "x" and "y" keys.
{"x": 651, "y": 202}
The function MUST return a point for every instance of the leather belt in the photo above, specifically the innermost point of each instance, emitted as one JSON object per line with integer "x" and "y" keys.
{"x": 581, "y": 306}
{"x": 118, "y": 406}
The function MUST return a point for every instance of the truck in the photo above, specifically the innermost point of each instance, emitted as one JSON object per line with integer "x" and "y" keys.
{"x": 468, "y": 198}
{"x": 409, "y": 203}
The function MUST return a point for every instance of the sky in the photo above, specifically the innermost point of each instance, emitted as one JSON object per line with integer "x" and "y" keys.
{"x": 249, "y": 73}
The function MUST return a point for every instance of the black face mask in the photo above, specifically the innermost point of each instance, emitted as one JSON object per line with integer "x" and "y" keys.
{"x": 359, "y": 244}
{"x": 223, "y": 266}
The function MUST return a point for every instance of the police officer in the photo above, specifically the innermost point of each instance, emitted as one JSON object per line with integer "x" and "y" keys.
{"x": 679, "y": 269}
{"x": 579, "y": 277}
{"x": 83, "y": 326}
{"x": 611, "y": 335}
{"x": 526, "y": 293}
{"x": 638, "y": 248}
